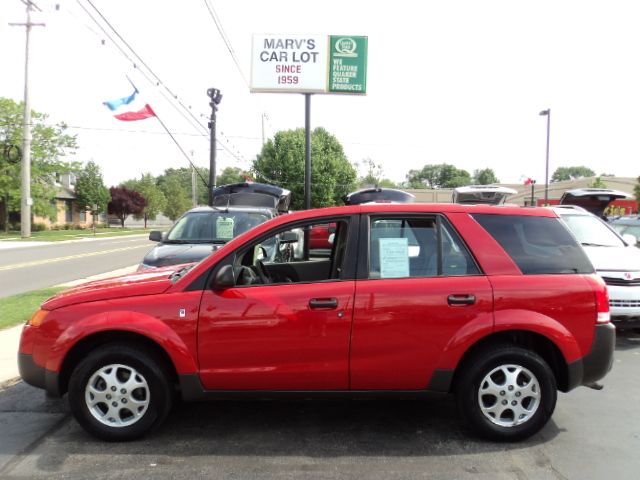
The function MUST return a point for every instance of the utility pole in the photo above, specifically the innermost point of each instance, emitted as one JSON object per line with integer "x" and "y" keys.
{"x": 25, "y": 191}
{"x": 215, "y": 96}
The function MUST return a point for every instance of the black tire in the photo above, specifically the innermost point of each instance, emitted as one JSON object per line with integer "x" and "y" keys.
{"x": 122, "y": 367}
{"x": 521, "y": 372}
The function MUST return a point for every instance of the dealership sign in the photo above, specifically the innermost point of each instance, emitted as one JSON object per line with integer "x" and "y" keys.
{"x": 309, "y": 64}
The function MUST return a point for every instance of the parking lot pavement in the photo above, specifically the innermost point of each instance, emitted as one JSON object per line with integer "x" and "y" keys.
{"x": 593, "y": 435}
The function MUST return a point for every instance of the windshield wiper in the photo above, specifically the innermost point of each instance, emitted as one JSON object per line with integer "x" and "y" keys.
{"x": 216, "y": 241}
{"x": 177, "y": 275}
{"x": 587, "y": 244}
{"x": 177, "y": 241}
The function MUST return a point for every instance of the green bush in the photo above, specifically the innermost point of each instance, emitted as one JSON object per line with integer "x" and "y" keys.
{"x": 38, "y": 227}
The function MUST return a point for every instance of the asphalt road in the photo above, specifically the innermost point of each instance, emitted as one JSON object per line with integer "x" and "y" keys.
{"x": 592, "y": 435}
{"x": 29, "y": 268}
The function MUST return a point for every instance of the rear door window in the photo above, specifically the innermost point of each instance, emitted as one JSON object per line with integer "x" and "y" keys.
{"x": 538, "y": 245}
{"x": 416, "y": 247}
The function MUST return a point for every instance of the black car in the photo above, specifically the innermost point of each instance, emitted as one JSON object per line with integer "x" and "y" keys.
{"x": 236, "y": 209}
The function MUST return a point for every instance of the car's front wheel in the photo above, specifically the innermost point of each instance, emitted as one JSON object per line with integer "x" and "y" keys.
{"x": 119, "y": 392}
{"x": 506, "y": 393}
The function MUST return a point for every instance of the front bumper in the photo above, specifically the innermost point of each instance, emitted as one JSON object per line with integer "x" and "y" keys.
{"x": 597, "y": 363}
{"x": 38, "y": 376}
{"x": 624, "y": 297}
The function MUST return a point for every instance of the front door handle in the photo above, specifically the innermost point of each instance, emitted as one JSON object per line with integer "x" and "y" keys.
{"x": 329, "y": 303}
{"x": 461, "y": 299}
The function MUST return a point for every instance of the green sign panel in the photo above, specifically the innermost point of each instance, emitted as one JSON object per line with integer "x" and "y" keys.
{"x": 347, "y": 64}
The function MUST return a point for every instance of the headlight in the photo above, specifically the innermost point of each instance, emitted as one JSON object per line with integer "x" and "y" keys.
{"x": 38, "y": 318}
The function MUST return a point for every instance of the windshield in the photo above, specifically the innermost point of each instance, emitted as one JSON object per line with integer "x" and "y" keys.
{"x": 205, "y": 227}
{"x": 590, "y": 231}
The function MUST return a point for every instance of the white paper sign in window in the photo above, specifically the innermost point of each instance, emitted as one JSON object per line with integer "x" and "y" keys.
{"x": 394, "y": 257}
{"x": 224, "y": 228}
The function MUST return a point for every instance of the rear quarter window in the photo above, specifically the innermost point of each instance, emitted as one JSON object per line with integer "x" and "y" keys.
{"x": 538, "y": 245}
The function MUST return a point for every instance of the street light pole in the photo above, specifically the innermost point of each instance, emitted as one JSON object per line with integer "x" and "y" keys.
{"x": 547, "y": 113}
{"x": 215, "y": 96}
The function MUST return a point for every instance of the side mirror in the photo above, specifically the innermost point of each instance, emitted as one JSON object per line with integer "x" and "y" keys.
{"x": 225, "y": 278}
{"x": 289, "y": 237}
{"x": 156, "y": 236}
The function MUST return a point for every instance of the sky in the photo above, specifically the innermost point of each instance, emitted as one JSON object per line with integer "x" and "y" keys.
{"x": 457, "y": 81}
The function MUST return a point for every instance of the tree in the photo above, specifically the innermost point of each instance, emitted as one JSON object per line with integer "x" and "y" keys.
{"x": 178, "y": 200}
{"x": 438, "y": 176}
{"x": 156, "y": 201}
{"x": 571, "y": 173}
{"x": 125, "y": 202}
{"x": 598, "y": 183}
{"x": 232, "y": 175}
{"x": 183, "y": 178}
{"x": 281, "y": 161}
{"x": 91, "y": 191}
{"x": 636, "y": 190}
{"x": 486, "y": 176}
{"x": 374, "y": 178}
{"x": 49, "y": 143}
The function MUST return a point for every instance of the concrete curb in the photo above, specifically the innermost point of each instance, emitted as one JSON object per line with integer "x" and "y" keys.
{"x": 10, "y": 337}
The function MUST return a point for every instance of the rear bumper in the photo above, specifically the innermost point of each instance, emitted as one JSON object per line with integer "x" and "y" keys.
{"x": 38, "y": 376}
{"x": 595, "y": 365}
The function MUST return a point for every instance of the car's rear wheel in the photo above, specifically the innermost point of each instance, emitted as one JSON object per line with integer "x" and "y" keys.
{"x": 506, "y": 393}
{"x": 119, "y": 392}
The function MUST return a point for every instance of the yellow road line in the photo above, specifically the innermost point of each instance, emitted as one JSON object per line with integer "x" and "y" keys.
{"x": 69, "y": 257}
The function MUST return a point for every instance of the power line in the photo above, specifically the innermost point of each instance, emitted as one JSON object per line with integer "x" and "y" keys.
{"x": 218, "y": 23}
{"x": 173, "y": 98}
{"x": 225, "y": 39}
{"x": 155, "y": 82}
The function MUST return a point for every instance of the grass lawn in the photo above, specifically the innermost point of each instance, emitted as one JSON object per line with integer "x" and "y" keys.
{"x": 60, "y": 235}
{"x": 17, "y": 309}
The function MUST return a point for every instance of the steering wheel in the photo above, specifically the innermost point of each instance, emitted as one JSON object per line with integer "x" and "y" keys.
{"x": 247, "y": 276}
{"x": 262, "y": 272}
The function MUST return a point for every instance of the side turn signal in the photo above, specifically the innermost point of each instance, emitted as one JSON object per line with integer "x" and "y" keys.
{"x": 38, "y": 318}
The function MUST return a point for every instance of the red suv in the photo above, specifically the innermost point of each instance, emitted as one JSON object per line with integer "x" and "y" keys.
{"x": 498, "y": 305}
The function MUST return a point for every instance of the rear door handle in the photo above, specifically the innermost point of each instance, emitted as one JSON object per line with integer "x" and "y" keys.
{"x": 461, "y": 299}
{"x": 323, "y": 303}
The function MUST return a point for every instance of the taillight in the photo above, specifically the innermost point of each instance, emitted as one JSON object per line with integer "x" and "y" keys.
{"x": 602, "y": 300}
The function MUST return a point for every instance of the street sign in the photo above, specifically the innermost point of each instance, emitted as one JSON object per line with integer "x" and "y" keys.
{"x": 347, "y": 64}
{"x": 289, "y": 63}
{"x": 309, "y": 64}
